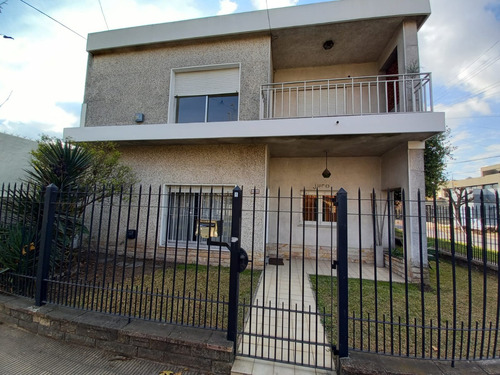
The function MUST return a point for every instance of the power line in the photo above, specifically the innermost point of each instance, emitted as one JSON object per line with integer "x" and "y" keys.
{"x": 53, "y": 19}
{"x": 483, "y": 116}
{"x": 474, "y": 72}
{"x": 103, "y": 16}
{"x": 478, "y": 159}
{"x": 478, "y": 92}
{"x": 268, "y": 19}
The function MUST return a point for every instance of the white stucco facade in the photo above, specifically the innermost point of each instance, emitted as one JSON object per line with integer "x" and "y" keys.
{"x": 361, "y": 56}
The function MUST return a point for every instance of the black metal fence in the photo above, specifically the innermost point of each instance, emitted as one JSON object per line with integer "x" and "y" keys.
{"x": 130, "y": 252}
{"x": 474, "y": 220}
{"x": 440, "y": 298}
{"x": 328, "y": 272}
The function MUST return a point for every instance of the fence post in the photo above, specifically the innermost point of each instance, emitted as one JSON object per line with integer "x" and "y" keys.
{"x": 234, "y": 276}
{"x": 342, "y": 287}
{"x": 46, "y": 237}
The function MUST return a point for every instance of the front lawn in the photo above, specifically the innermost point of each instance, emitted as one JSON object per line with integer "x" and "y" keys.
{"x": 185, "y": 294}
{"x": 406, "y": 306}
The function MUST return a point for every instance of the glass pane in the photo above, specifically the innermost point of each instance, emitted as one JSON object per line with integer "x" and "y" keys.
{"x": 309, "y": 207}
{"x": 191, "y": 109}
{"x": 185, "y": 209}
{"x": 180, "y": 225}
{"x": 223, "y": 108}
{"x": 329, "y": 208}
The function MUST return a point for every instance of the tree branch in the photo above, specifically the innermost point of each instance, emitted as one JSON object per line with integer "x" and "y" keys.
{"x": 8, "y": 97}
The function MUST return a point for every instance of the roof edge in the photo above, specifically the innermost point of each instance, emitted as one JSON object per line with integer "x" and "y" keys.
{"x": 256, "y": 21}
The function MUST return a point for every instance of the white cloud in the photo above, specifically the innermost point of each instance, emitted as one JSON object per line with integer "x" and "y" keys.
{"x": 459, "y": 45}
{"x": 460, "y": 136}
{"x": 464, "y": 109}
{"x": 227, "y": 7}
{"x": 263, "y": 4}
{"x": 46, "y": 63}
{"x": 454, "y": 45}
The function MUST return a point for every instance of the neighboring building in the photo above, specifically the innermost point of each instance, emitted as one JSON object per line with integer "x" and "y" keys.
{"x": 488, "y": 184}
{"x": 490, "y": 179}
{"x": 14, "y": 157}
{"x": 257, "y": 99}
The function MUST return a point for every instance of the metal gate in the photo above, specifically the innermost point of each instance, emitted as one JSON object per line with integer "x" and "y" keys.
{"x": 287, "y": 318}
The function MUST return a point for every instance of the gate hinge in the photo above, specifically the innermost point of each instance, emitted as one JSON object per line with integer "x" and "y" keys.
{"x": 334, "y": 265}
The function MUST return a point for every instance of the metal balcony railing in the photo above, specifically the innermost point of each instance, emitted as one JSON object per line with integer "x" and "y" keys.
{"x": 347, "y": 96}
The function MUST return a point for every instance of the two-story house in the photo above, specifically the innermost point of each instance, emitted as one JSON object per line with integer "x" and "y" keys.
{"x": 264, "y": 100}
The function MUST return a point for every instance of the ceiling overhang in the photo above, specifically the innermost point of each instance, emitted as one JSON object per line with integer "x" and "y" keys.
{"x": 369, "y": 135}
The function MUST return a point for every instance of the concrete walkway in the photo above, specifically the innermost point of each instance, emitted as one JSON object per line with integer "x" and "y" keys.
{"x": 284, "y": 325}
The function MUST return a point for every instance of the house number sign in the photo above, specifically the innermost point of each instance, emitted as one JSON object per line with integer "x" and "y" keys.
{"x": 320, "y": 186}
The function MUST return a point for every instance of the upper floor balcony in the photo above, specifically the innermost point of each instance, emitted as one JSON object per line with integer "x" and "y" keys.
{"x": 314, "y": 115}
{"x": 381, "y": 94}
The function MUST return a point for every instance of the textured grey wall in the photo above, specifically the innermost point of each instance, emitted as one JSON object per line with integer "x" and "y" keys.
{"x": 120, "y": 84}
{"x": 229, "y": 165}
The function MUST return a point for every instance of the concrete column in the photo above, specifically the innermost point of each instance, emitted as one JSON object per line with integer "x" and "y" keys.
{"x": 416, "y": 229}
{"x": 410, "y": 59}
{"x": 403, "y": 167}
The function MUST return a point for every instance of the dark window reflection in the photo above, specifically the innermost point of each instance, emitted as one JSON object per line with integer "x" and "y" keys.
{"x": 223, "y": 108}
{"x": 191, "y": 109}
{"x": 209, "y": 108}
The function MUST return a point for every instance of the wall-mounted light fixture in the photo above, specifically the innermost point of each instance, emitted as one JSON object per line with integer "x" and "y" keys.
{"x": 326, "y": 173}
{"x": 328, "y": 44}
{"x": 139, "y": 117}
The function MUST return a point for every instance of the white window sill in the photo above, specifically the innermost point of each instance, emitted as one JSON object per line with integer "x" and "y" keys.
{"x": 312, "y": 224}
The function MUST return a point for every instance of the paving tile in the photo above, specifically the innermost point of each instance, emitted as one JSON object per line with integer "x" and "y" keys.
{"x": 284, "y": 369}
{"x": 263, "y": 367}
{"x": 242, "y": 366}
{"x": 273, "y": 318}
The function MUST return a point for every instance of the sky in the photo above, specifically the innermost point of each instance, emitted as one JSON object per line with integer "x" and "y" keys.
{"x": 42, "y": 69}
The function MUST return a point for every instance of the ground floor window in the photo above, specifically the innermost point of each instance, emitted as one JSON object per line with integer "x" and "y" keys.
{"x": 192, "y": 214}
{"x": 319, "y": 207}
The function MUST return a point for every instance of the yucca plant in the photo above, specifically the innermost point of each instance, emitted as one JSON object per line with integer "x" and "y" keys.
{"x": 76, "y": 169}
{"x": 60, "y": 163}
{"x": 18, "y": 248}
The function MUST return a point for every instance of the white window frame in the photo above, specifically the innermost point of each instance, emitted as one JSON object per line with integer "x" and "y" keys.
{"x": 172, "y": 107}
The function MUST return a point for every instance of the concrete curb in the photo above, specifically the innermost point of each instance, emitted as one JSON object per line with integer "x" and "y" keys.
{"x": 377, "y": 364}
{"x": 193, "y": 348}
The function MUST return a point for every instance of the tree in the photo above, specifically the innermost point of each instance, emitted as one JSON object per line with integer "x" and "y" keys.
{"x": 69, "y": 165}
{"x": 83, "y": 172}
{"x": 437, "y": 150}
{"x": 78, "y": 167}
{"x": 460, "y": 196}
{"x": 1, "y": 7}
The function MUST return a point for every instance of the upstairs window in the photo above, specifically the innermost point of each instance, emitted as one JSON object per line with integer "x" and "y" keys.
{"x": 207, "y": 108}
{"x": 206, "y": 95}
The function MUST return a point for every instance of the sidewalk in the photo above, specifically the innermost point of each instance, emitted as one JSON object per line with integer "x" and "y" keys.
{"x": 24, "y": 353}
{"x": 281, "y": 335}
{"x": 375, "y": 364}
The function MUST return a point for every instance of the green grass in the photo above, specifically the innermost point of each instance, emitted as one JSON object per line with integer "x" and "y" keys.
{"x": 398, "y": 305}
{"x": 191, "y": 295}
{"x": 461, "y": 248}
{"x": 445, "y": 245}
